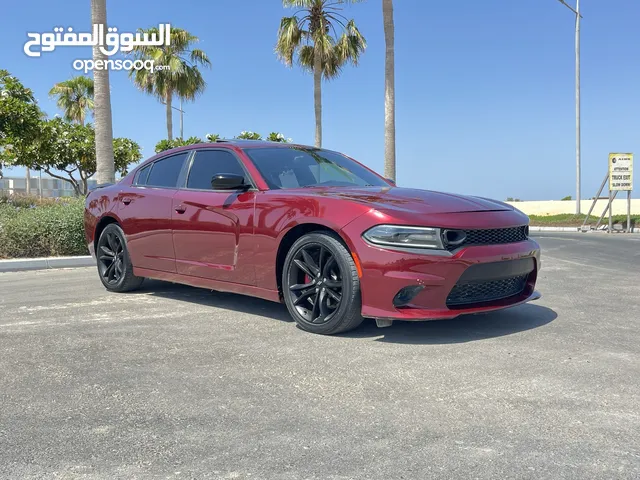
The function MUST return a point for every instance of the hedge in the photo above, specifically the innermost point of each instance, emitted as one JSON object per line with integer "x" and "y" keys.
{"x": 30, "y": 227}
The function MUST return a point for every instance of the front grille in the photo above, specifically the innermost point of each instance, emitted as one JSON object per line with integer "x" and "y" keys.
{"x": 482, "y": 292}
{"x": 494, "y": 236}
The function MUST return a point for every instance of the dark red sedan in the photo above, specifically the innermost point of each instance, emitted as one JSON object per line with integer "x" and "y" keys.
{"x": 311, "y": 228}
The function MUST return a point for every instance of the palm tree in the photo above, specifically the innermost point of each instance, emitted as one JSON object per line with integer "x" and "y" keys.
{"x": 74, "y": 98}
{"x": 389, "y": 93}
{"x": 314, "y": 39}
{"x": 181, "y": 77}
{"x": 102, "y": 104}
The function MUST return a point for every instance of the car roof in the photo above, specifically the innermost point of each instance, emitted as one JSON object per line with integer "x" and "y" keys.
{"x": 237, "y": 143}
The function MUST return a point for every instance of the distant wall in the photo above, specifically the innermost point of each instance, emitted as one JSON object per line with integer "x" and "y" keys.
{"x": 556, "y": 207}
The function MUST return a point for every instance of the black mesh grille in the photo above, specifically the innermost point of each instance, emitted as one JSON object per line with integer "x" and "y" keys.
{"x": 480, "y": 292}
{"x": 493, "y": 237}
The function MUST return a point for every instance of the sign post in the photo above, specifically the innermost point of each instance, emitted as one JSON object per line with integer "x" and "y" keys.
{"x": 620, "y": 179}
{"x": 628, "y": 211}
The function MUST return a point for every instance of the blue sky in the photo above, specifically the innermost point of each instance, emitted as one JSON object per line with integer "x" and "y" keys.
{"x": 484, "y": 89}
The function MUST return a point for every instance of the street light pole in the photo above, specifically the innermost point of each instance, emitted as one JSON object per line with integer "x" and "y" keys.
{"x": 576, "y": 11}
{"x": 181, "y": 113}
{"x": 578, "y": 132}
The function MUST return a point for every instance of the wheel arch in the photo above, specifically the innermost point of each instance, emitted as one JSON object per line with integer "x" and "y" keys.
{"x": 100, "y": 226}
{"x": 292, "y": 235}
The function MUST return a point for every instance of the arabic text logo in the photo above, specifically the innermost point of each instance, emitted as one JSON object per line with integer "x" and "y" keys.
{"x": 109, "y": 44}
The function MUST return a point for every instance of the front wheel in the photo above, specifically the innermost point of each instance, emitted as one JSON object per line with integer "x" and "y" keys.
{"x": 320, "y": 285}
{"x": 114, "y": 264}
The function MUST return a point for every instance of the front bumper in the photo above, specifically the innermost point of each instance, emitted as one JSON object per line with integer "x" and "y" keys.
{"x": 385, "y": 272}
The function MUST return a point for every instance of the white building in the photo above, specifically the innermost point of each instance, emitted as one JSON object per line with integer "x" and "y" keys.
{"x": 46, "y": 186}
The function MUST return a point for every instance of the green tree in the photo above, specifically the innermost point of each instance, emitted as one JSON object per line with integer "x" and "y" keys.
{"x": 311, "y": 37}
{"x": 20, "y": 118}
{"x": 246, "y": 135}
{"x": 182, "y": 77}
{"x": 278, "y": 137}
{"x": 212, "y": 137}
{"x": 67, "y": 151}
{"x": 168, "y": 144}
{"x": 74, "y": 97}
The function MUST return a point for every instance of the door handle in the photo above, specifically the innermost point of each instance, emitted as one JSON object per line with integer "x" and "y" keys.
{"x": 181, "y": 209}
{"x": 126, "y": 200}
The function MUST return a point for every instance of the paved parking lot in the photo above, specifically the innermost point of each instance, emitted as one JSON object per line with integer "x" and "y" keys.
{"x": 177, "y": 382}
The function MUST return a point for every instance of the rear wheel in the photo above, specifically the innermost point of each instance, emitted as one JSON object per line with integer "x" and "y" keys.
{"x": 114, "y": 264}
{"x": 320, "y": 285}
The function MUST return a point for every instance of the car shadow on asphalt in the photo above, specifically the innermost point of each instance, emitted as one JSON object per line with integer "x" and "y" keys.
{"x": 226, "y": 301}
{"x": 466, "y": 328}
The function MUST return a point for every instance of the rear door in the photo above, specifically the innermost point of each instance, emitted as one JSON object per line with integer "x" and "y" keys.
{"x": 145, "y": 209}
{"x": 213, "y": 229}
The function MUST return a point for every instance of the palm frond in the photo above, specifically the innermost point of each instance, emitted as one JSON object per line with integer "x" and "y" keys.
{"x": 289, "y": 38}
{"x": 298, "y": 3}
{"x": 190, "y": 85}
{"x": 182, "y": 76}
{"x": 305, "y": 57}
{"x": 74, "y": 97}
{"x": 332, "y": 67}
{"x": 198, "y": 57}
{"x": 351, "y": 45}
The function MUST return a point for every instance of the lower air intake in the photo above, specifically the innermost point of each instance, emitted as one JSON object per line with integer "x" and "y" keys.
{"x": 490, "y": 291}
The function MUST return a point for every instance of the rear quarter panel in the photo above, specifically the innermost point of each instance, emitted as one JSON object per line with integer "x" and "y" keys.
{"x": 100, "y": 203}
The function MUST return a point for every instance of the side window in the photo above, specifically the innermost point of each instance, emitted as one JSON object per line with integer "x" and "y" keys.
{"x": 165, "y": 172}
{"x": 141, "y": 178}
{"x": 209, "y": 163}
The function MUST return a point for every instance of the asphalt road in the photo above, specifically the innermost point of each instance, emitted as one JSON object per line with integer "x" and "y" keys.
{"x": 177, "y": 382}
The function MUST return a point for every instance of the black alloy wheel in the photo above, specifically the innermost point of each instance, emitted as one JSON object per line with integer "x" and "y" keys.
{"x": 110, "y": 258}
{"x": 321, "y": 285}
{"x": 114, "y": 265}
{"x": 319, "y": 293}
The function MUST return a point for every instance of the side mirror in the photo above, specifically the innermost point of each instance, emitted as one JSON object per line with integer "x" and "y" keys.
{"x": 391, "y": 181}
{"x": 228, "y": 181}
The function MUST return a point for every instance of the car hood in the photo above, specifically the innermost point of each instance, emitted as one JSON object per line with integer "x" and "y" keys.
{"x": 408, "y": 200}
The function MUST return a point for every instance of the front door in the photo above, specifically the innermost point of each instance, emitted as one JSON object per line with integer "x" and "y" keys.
{"x": 213, "y": 229}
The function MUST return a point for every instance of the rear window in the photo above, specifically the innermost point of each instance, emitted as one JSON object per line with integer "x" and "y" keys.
{"x": 143, "y": 174}
{"x": 165, "y": 172}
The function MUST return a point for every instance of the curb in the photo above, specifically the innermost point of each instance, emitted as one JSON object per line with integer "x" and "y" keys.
{"x": 22, "y": 264}
{"x": 554, "y": 229}
{"x": 573, "y": 229}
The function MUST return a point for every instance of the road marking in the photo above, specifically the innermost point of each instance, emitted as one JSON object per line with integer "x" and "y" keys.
{"x": 93, "y": 303}
{"x": 586, "y": 265}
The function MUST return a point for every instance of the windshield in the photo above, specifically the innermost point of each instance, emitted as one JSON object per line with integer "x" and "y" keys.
{"x": 298, "y": 167}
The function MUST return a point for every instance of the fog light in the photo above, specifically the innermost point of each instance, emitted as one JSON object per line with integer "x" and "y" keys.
{"x": 405, "y": 295}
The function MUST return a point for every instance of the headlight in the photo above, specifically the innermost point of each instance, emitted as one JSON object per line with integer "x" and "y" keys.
{"x": 408, "y": 237}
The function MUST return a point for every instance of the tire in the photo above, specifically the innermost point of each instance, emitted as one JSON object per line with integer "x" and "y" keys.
{"x": 328, "y": 303}
{"x": 114, "y": 264}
